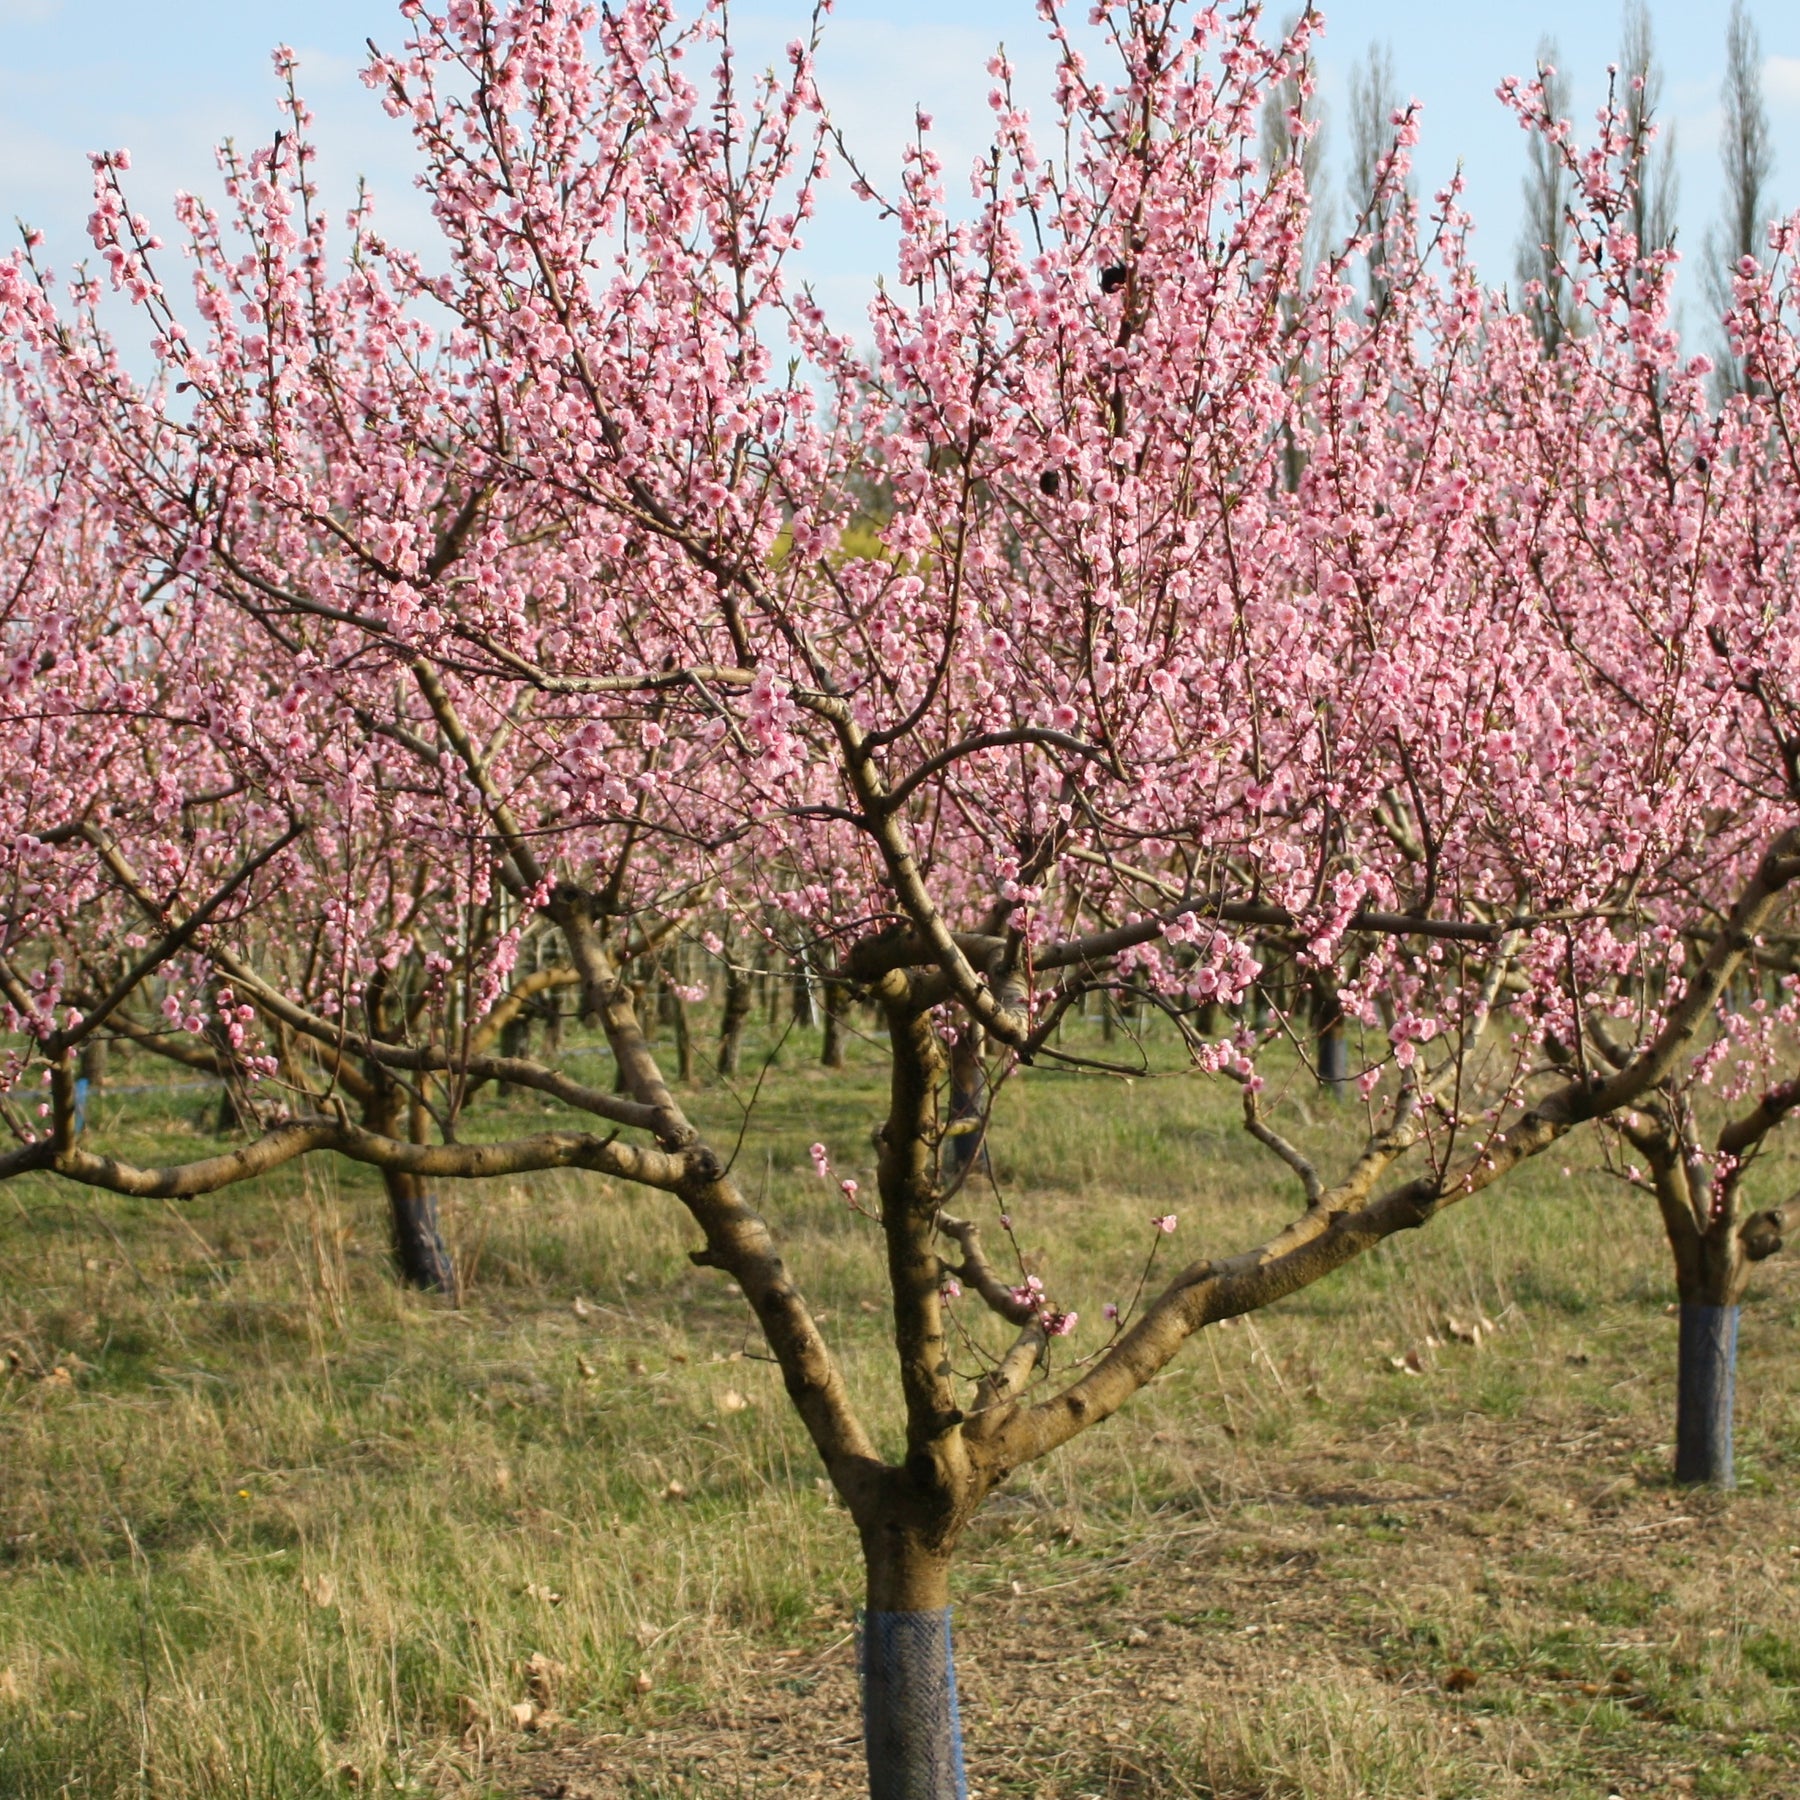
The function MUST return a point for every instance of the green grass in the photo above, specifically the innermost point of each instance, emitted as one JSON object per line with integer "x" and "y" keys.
{"x": 271, "y": 1527}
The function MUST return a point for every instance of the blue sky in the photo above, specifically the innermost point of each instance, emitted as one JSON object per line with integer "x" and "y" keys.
{"x": 168, "y": 80}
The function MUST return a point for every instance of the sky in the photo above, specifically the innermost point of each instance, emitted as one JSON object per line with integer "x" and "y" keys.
{"x": 169, "y": 80}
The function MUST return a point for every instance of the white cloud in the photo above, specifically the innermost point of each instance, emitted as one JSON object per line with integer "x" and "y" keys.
{"x": 1781, "y": 80}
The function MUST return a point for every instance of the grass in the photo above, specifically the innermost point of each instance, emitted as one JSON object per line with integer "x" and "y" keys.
{"x": 271, "y": 1527}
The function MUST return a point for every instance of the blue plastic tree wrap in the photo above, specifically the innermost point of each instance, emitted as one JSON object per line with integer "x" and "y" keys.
{"x": 911, "y": 1727}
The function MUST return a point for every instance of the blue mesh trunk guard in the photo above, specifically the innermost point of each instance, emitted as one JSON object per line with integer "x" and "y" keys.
{"x": 911, "y": 1727}
{"x": 1703, "y": 1406}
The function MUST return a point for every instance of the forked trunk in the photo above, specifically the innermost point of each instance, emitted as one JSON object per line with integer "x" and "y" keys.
{"x": 912, "y": 1729}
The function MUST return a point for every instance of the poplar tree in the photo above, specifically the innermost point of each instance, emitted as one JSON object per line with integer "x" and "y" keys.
{"x": 1545, "y": 290}
{"x": 1655, "y": 185}
{"x": 1747, "y": 160}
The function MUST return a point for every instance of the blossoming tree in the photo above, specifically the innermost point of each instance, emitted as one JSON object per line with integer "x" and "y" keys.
{"x": 1215, "y": 620}
{"x": 1654, "y": 533}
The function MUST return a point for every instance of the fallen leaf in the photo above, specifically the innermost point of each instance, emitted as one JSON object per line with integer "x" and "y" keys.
{"x": 541, "y": 1677}
{"x": 731, "y": 1401}
{"x": 535, "y": 1590}
{"x": 320, "y": 1589}
{"x": 587, "y": 1368}
{"x": 581, "y": 1309}
{"x": 1459, "y": 1680}
{"x": 674, "y": 1491}
{"x": 523, "y": 1712}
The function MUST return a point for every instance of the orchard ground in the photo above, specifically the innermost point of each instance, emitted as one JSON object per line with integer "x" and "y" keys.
{"x": 271, "y": 1527}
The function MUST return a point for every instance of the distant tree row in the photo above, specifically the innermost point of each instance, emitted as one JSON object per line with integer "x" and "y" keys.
{"x": 1293, "y": 128}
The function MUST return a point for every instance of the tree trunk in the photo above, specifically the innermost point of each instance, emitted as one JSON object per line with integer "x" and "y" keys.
{"x": 1711, "y": 1269}
{"x": 1703, "y": 1403}
{"x": 90, "y": 1079}
{"x": 738, "y": 1003}
{"x": 684, "y": 1037}
{"x": 421, "y": 1257}
{"x": 231, "y": 1118}
{"x": 912, "y": 1729}
{"x": 805, "y": 1004}
{"x": 1333, "y": 1043}
{"x": 837, "y": 1013}
{"x": 515, "y": 1040}
{"x": 420, "y": 1254}
{"x": 1334, "y": 1062}
{"x": 966, "y": 1140}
